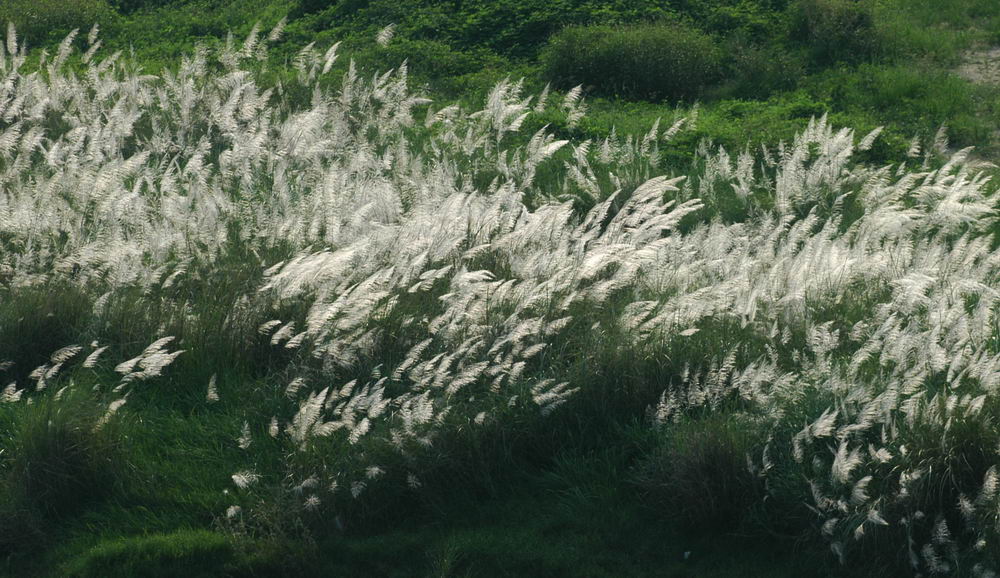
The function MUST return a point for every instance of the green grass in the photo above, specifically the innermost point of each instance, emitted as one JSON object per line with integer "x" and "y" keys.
{"x": 569, "y": 507}
{"x": 191, "y": 553}
{"x": 579, "y": 517}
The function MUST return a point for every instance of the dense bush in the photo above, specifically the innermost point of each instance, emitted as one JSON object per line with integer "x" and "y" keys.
{"x": 758, "y": 20}
{"x": 310, "y": 6}
{"x": 756, "y": 72}
{"x": 699, "y": 473}
{"x": 429, "y": 59}
{"x": 835, "y": 30}
{"x": 56, "y": 456}
{"x": 915, "y": 99}
{"x": 40, "y": 21}
{"x": 516, "y": 28}
{"x": 126, "y": 6}
{"x": 649, "y": 61}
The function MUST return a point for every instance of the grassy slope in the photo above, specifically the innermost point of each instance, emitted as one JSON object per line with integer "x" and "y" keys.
{"x": 570, "y": 515}
{"x": 461, "y": 48}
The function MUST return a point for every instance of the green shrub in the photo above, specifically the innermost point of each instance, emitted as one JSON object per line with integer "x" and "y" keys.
{"x": 912, "y": 100}
{"x": 429, "y": 60}
{"x": 54, "y": 459}
{"x": 754, "y": 19}
{"x": 699, "y": 473}
{"x": 757, "y": 72}
{"x": 648, "y": 61}
{"x": 43, "y": 21}
{"x": 36, "y": 321}
{"x": 311, "y": 6}
{"x": 836, "y": 30}
{"x": 127, "y": 6}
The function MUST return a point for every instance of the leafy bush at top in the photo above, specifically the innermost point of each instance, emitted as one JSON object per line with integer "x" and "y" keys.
{"x": 667, "y": 61}
{"x": 835, "y": 30}
{"x": 48, "y": 21}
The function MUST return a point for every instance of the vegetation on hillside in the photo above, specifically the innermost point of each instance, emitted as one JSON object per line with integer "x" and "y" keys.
{"x": 274, "y": 305}
{"x": 774, "y": 63}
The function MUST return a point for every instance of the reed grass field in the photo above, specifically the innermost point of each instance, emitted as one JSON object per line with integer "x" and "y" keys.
{"x": 428, "y": 288}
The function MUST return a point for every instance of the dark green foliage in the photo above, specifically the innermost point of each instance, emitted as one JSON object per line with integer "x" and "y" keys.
{"x": 312, "y": 6}
{"x": 933, "y": 25}
{"x": 756, "y": 72}
{"x": 757, "y": 20}
{"x": 47, "y": 21}
{"x": 35, "y": 322}
{"x": 160, "y": 32}
{"x": 53, "y": 462}
{"x": 443, "y": 68}
{"x": 699, "y": 473}
{"x": 128, "y": 6}
{"x": 514, "y": 29}
{"x": 912, "y": 99}
{"x": 647, "y": 62}
{"x": 836, "y": 30}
